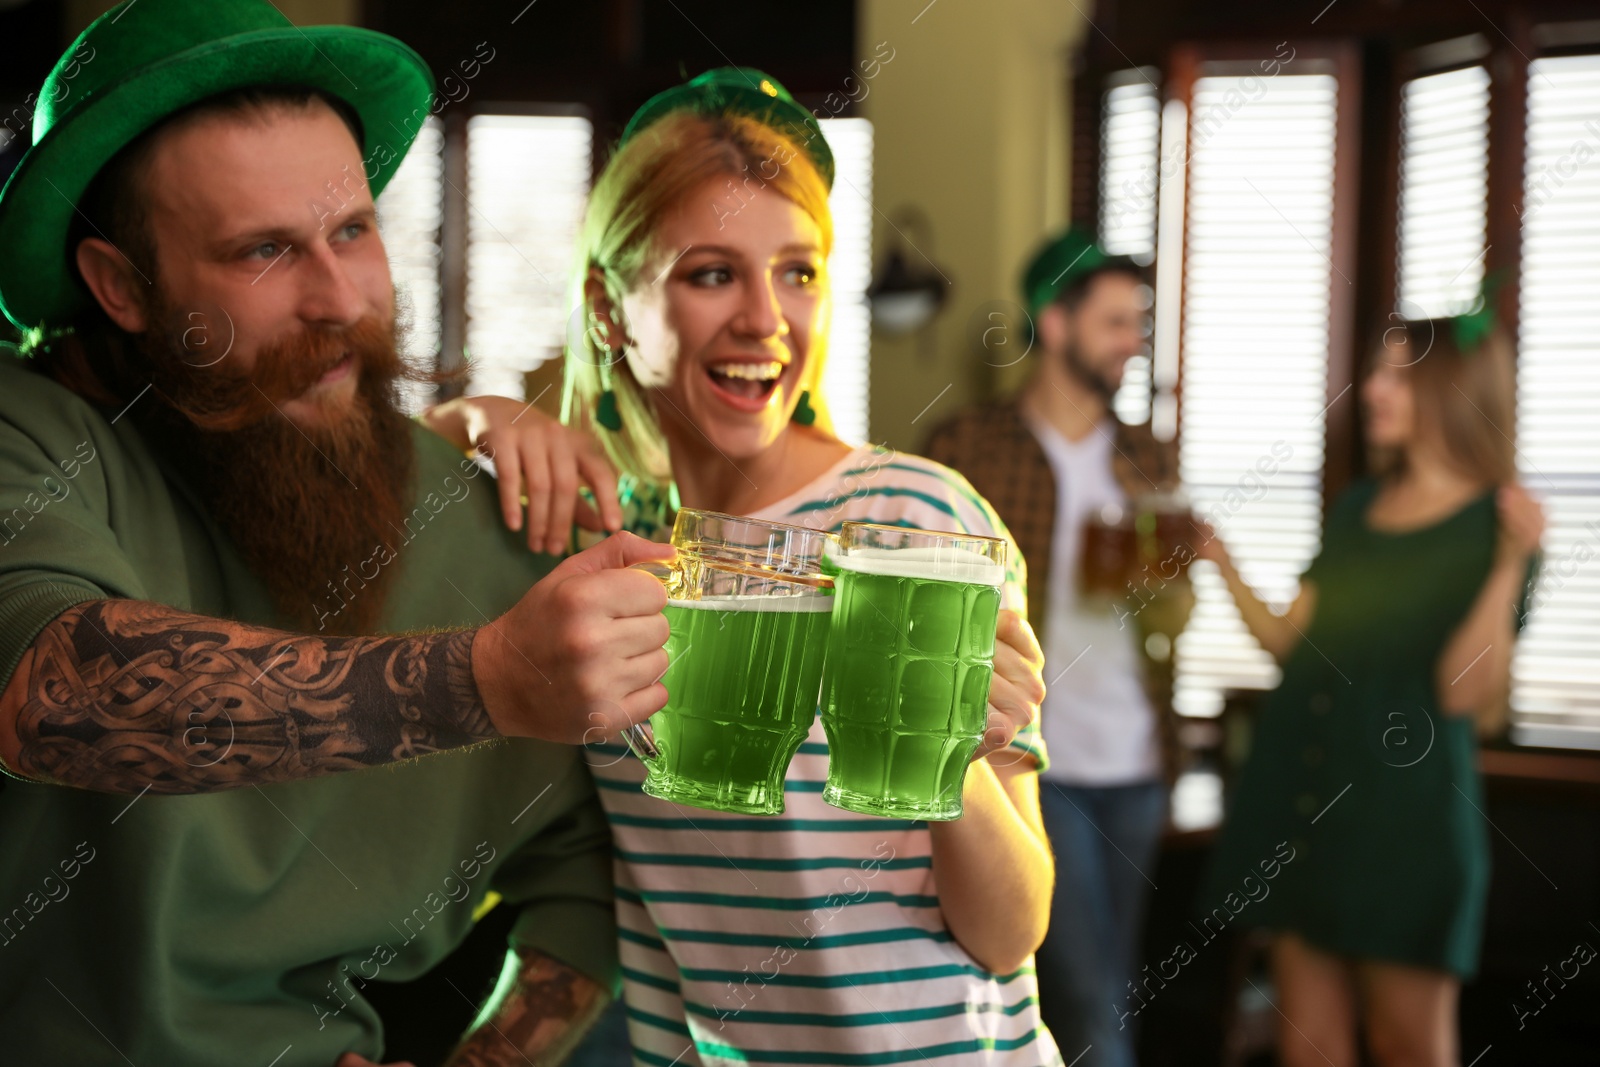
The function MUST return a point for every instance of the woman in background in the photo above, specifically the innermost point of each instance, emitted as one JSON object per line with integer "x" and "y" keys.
{"x": 1356, "y": 832}
{"x": 816, "y": 936}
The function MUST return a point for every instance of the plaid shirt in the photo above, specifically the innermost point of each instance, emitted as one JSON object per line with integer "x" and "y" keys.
{"x": 994, "y": 448}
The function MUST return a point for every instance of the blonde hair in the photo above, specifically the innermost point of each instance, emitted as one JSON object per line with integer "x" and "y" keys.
{"x": 642, "y": 182}
{"x": 1467, "y": 399}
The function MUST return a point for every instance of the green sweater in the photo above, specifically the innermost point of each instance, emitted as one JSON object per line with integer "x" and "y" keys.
{"x": 234, "y": 927}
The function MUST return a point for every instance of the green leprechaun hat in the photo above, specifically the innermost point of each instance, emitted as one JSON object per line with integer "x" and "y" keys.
{"x": 146, "y": 59}
{"x": 743, "y": 91}
{"x": 1060, "y": 261}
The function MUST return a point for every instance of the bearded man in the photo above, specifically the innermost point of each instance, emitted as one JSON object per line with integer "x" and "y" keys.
{"x": 230, "y": 566}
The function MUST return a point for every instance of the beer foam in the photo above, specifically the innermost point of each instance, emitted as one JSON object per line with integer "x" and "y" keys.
{"x": 940, "y": 564}
{"x": 788, "y": 604}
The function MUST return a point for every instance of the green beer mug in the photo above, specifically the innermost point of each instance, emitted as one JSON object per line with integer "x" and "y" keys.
{"x": 910, "y": 655}
{"x": 748, "y": 605}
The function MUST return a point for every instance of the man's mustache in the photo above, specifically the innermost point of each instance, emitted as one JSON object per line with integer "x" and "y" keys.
{"x": 221, "y": 398}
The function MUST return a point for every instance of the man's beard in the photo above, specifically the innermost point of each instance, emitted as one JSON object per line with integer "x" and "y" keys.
{"x": 306, "y": 506}
{"x": 1091, "y": 377}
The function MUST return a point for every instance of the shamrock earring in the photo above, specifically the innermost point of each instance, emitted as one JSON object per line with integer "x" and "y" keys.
{"x": 804, "y": 413}
{"x": 606, "y": 411}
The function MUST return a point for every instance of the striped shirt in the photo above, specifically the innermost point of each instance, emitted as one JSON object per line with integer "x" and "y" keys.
{"x": 815, "y": 936}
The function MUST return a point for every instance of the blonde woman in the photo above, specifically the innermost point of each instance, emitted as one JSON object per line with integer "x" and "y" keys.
{"x": 817, "y": 936}
{"x": 1356, "y": 832}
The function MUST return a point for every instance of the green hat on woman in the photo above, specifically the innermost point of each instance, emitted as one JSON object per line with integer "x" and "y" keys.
{"x": 1055, "y": 266}
{"x": 743, "y": 91}
{"x": 146, "y": 59}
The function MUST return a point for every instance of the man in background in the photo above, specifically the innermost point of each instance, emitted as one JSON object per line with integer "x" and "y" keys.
{"x": 1050, "y": 460}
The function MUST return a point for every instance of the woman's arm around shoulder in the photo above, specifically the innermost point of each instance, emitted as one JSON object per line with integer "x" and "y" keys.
{"x": 536, "y": 459}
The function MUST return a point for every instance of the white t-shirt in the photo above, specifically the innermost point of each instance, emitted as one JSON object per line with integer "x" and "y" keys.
{"x": 1097, "y": 721}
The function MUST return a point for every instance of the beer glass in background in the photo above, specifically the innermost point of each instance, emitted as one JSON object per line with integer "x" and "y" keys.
{"x": 748, "y": 605}
{"x": 1110, "y": 548}
{"x": 1165, "y": 523}
{"x": 910, "y": 653}
{"x": 1127, "y": 551}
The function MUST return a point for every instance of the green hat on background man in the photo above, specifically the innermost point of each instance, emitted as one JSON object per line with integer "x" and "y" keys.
{"x": 146, "y": 59}
{"x": 743, "y": 91}
{"x": 1058, "y": 264}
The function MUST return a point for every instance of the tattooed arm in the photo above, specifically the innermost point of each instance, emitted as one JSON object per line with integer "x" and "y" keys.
{"x": 124, "y": 695}
{"x": 120, "y": 695}
{"x": 538, "y": 1013}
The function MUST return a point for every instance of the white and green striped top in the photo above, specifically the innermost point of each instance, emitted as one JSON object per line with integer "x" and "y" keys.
{"x": 813, "y": 937}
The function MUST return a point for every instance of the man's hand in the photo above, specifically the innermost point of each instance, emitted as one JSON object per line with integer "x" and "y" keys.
{"x": 537, "y": 457}
{"x": 355, "y": 1059}
{"x": 1017, "y": 688}
{"x": 581, "y": 655}
{"x": 1167, "y": 611}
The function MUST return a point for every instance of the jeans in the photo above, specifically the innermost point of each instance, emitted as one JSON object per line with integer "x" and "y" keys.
{"x": 1105, "y": 840}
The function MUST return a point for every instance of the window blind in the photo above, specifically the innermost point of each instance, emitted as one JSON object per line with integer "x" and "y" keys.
{"x": 527, "y": 181}
{"x": 1130, "y": 137}
{"x": 409, "y": 217}
{"x": 1556, "y": 674}
{"x": 847, "y": 375}
{"x": 1444, "y": 172}
{"x": 1130, "y": 146}
{"x": 1256, "y": 306}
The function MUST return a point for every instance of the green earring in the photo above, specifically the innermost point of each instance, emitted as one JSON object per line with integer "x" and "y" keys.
{"x": 606, "y": 412}
{"x": 804, "y": 413}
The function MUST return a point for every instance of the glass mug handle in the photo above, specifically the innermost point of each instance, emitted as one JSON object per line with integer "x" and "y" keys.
{"x": 639, "y": 738}
{"x": 641, "y": 741}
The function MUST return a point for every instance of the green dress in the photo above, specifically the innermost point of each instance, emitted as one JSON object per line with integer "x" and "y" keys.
{"x": 1357, "y": 820}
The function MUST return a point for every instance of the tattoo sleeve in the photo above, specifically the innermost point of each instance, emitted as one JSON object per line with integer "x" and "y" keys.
{"x": 123, "y": 695}
{"x": 539, "y": 1017}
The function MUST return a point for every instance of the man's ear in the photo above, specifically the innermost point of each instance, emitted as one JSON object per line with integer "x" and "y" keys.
{"x": 117, "y": 285}
{"x": 1053, "y": 327}
{"x": 604, "y": 319}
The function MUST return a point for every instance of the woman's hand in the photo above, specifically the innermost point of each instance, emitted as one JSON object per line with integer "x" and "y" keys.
{"x": 1473, "y": 673}
{"x": 1521, "y": 523}
{"x": 534, "y": 457}
{"x": 1277, "y": 632}
{"x": 1017, "y": 688}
